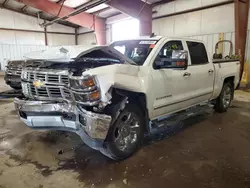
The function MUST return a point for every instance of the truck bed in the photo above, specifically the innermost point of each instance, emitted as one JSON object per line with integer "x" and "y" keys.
{"x": 225, "y": 68}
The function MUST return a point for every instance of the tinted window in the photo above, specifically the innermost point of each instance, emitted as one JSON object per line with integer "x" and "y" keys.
{"x": 136, "y": 50}
{"x": 167, "y": 52}
{"x": 169, "y": 47}
{"x": 197, "y": 52}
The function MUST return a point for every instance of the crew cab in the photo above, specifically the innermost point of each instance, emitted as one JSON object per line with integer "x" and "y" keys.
{"x": 111, "y": 95}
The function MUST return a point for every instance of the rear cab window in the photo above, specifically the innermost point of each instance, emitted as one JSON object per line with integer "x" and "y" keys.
{"x": 198, "y": 53}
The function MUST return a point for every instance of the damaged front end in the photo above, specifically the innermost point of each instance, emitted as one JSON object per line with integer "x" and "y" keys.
{"x": 90, "y": 126}
{"x": 63, "y": 96}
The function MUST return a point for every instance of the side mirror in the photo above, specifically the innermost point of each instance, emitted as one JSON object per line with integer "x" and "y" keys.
{"x": 178, "y": 60}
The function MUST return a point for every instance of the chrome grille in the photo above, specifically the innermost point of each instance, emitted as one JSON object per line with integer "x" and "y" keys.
{"x": 47, "y": 93}
{"x": 14, "y": 70}
{"x": 55, "y": 87}
{"x": 61, "y": 79}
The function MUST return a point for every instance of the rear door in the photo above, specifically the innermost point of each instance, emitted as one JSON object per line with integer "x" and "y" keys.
{"x": 201, "y": 72}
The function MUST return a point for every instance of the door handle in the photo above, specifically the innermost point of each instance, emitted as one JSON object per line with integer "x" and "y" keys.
{"x": 210, "y": 71}
{"x": 187, "y": 74}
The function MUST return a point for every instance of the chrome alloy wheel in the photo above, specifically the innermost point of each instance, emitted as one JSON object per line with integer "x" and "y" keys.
{"x": 126, "y": 131}
{"x": 227, "y": 97}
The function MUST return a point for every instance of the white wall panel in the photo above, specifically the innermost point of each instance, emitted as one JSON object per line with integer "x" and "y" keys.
{"x": 60, "y": 28}
{"x": 211, "y": 2}
{"x": 26, "y": 22}
{"x": 182, "y": 5}
{"x": 209, "y": 21}
{"x": 187, "y": 24}
{"x": 7, "y": 37}
{"x": 26, "y": 38}
{"x": 87, "y": 39}
{"x": 57, "y": 40}
{"x": 218, "y": 19}
{"x": 164, "y": 9}
{"x": 164, "y": 27}
{"x": 4, "y": 16}
{"x": 84, "y": 30}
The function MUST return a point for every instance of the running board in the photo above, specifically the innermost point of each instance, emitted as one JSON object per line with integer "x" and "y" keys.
{"x": 176, "y": 119}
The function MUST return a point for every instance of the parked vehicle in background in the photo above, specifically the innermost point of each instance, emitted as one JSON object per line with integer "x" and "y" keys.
{"x": 111, "y": 98}
{"x": 13, "y": 73}
{"x": 61, "y": 53}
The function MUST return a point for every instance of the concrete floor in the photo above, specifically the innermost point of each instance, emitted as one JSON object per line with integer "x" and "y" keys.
{"x": 209, "y": 150}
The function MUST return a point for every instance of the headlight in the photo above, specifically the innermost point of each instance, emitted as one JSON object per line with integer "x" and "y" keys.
{"x": 95, "y": 96}
{"x": 83, "y": 84}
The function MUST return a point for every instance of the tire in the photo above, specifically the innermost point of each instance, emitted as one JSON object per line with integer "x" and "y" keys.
{"x": 125, "y": 135}
{"x": 225, "y": 98}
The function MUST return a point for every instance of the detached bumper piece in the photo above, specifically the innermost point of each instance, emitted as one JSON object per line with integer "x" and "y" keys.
{"x": 91, "y": 127}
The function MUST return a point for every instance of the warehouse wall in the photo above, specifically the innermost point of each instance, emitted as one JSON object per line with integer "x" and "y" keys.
{"x": 204, "y": 24}
{"x": 88, "y": 39}
{"x": 14, "y": 44}
{"x": 86, "y": 36}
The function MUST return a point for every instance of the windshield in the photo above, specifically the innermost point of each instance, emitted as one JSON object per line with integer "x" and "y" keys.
{"x": 136, "y": 50}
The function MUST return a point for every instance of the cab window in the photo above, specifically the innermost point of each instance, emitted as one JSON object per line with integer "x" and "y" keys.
{"x": 167, "y": 51}
{"x": 198, "y": 53}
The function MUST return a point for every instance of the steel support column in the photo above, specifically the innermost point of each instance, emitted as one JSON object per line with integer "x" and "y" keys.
{"x": 241, "y": 9}
{"x": 82, "y": 19}
{"x": 137, "y": 9}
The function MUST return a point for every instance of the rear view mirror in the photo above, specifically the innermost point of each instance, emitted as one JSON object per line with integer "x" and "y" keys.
{"x": 178, "y": 60}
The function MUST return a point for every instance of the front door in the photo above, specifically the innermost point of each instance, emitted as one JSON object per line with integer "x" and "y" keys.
{"x": 171, "y": 85}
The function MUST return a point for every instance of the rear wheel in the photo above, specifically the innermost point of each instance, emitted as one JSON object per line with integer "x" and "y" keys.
{"x": 223, "y": 102}
{"x": 125, "y": 135}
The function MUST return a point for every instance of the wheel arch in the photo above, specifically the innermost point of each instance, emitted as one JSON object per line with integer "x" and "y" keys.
{"x": 137, "y": 98}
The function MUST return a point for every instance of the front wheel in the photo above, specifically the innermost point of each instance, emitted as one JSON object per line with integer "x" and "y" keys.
{"x": 125, "y": 135}
{"x": 223, "y": 102}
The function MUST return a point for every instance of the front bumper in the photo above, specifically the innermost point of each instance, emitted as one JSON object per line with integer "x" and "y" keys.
{"x": 91, "y": 127}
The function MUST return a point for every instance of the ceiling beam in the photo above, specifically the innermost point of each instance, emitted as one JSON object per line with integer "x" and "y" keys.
{"x": 5, "y": 2}
{"x": 82, "y": 19}
{"x": 241, "y": 11}
{"x": 137, "y": 9}
{"x": 60, "y": 1}
{"x": 32, "y": 15}
{"x": 161, "y": 2}
{"x": 100, "y": 11}
{"x": 24, "y": 8}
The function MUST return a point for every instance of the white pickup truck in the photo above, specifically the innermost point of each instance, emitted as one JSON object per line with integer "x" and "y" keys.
{"x": 111, "y": 95}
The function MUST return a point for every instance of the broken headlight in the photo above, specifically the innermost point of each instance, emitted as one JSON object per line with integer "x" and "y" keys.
{"x": 83, "y": 84}
{"x": 85, "y": 90}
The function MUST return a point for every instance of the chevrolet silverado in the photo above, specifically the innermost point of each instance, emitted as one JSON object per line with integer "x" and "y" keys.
{"x": 112, "y": 95}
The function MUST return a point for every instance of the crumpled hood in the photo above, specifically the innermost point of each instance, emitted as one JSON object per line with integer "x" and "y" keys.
{"x": 71, "y": 53}
{"x": 91, "y": 58}
{"x": 62, "y": 53}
